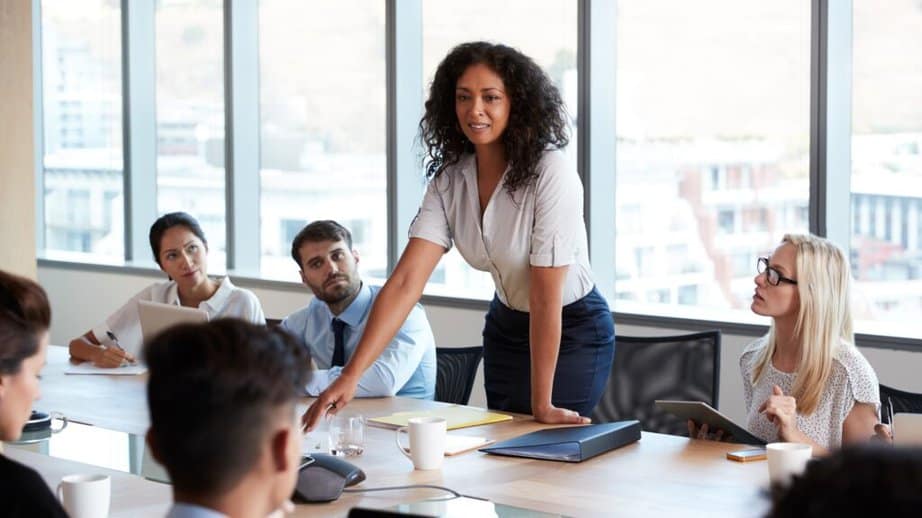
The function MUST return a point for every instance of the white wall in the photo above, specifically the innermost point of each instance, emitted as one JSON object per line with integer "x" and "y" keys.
{"x": 81, "y": 299}
{"x": 17, "y": 182}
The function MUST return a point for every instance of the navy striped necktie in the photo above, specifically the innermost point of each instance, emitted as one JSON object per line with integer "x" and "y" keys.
{"x": 339, "y": 343}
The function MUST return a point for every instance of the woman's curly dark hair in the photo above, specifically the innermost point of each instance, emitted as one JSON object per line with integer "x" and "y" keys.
{"x": 537, "y": 115}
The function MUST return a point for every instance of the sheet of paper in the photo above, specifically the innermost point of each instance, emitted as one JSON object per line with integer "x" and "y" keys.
{"x": 89, "y": 368}
{"x": 458, "y": 416}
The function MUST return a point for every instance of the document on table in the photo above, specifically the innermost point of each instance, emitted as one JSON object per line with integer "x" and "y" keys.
{"x": 457, "y": 416}
{"x": 89, "y": 368}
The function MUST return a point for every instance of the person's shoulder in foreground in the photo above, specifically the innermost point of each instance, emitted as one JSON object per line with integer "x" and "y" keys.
{"x": 222, "y": 408}
{"x": 867, "y": 480}
{"x": 24, "y": 493}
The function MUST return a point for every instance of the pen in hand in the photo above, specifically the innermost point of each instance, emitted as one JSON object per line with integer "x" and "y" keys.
{"x": 114, "y": 339}
{"x": 890, "y": 417}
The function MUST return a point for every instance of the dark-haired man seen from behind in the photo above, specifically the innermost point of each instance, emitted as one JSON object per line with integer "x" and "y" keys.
{"x": 222, "y": 410}
{"x": 333, "y": 322}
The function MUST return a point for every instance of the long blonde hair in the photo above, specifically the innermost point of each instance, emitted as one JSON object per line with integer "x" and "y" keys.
{"x": 824, "y": 318}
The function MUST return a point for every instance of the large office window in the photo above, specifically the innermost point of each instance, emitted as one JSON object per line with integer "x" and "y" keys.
{"x": 545, "y": 30}
{"x": 711, "y": 144}
{"x": 190, "y": 116}
{"x": 713, "y": 122}
{"x": 322, "y": 126}
{"x": 886, "y": 182}
{"x": 81, "y": 71}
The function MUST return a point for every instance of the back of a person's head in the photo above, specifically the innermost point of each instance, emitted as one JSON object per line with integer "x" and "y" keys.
{"x": 24, "y": 315}
{"x": 214, "y": 392}
{"x": 873, "y": 480}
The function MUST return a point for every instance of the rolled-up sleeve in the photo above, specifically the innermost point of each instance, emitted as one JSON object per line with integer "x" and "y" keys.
{"x": 558, "y": 223}
{"x": 431, "y": 222}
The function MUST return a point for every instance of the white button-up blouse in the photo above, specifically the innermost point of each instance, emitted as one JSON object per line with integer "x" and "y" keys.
{"x": 541, "y": 224}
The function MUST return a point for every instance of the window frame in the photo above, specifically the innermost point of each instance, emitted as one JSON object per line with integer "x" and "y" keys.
{"x": 830, "y": 129}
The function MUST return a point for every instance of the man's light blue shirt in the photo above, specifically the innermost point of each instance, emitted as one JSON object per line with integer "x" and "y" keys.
{"x": 184, "y": 510}
{"x": 405, "y": 368}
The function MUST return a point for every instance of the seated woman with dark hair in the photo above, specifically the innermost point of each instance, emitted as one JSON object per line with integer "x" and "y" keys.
{"x": 24, "y": 320}
{"x": 181, "y": 251}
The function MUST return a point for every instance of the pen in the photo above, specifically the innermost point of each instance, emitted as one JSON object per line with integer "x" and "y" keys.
{"x": 114, "y": 339}
{"x": 890, "y": 417}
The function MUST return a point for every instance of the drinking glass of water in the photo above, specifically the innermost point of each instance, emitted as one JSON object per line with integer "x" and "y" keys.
{"x": 347, "y": 435}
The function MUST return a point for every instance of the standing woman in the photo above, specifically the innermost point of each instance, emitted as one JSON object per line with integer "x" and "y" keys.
{"x": 501, "y": 191}
{"x": 181, "y": 250}
{"x": 24, "y": 320}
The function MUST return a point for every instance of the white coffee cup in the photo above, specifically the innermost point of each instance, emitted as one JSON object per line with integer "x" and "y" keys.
{"x": 786, "y": 459}
{"x": 427, "y": 441}
{"x": 85, "y": 496}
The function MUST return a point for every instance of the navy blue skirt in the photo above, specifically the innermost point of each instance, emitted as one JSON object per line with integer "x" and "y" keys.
{"x": 587, "y": 346}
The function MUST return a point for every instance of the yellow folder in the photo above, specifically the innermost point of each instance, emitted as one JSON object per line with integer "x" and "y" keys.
{"x": 456, "y": 416}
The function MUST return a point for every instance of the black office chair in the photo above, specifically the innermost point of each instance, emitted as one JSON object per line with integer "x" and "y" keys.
{"x": 457, "y": 368}
{"x": 902, "y": 401}
{"x": 273, "y": 322}
{"x": 683, "y": 367}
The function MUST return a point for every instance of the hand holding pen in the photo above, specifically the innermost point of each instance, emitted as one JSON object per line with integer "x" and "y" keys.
{"x": 112, "y": 357}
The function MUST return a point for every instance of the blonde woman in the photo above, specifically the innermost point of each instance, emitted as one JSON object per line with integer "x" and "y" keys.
{"x": 805, "y": 381}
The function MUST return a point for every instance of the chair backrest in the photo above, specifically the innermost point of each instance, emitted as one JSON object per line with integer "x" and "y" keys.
{"x": 457, "y": 368}
{"x": 683, "y": 367}
{"x": 273, "y": 322}
{"x": 902, "y": 401}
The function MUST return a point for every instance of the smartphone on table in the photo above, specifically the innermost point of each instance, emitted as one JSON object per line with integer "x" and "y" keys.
{"x": 747, "y": 455}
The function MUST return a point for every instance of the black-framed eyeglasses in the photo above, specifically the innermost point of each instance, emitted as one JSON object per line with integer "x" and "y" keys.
{"x": 772, "y": 275}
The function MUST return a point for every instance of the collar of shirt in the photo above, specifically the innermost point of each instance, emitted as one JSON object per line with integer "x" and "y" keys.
{"x": 172, "y": 294}
{"x": 219, "y": 299}
{"x": 355, "y": 313}
{"x": 184, "y": 510}
{"x": 214, "y": 304}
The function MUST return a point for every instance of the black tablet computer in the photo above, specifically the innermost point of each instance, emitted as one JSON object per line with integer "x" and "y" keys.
{"x": 703, "y": 413}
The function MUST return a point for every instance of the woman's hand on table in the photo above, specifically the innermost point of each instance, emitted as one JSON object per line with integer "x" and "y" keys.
{"x": 549, "y": 414}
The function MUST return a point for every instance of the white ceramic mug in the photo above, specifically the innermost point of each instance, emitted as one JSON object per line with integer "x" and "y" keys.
{"x": 427, "y": 441}
{"x": 786, "y": 459}
{"x": 85, "y": 496}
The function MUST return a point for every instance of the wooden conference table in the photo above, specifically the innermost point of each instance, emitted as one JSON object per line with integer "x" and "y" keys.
{"x": 660, "y": 475}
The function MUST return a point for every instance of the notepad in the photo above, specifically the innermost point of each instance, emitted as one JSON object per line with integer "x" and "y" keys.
{"x": 456, "y": 416}
{"x": 89, "y": 368}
